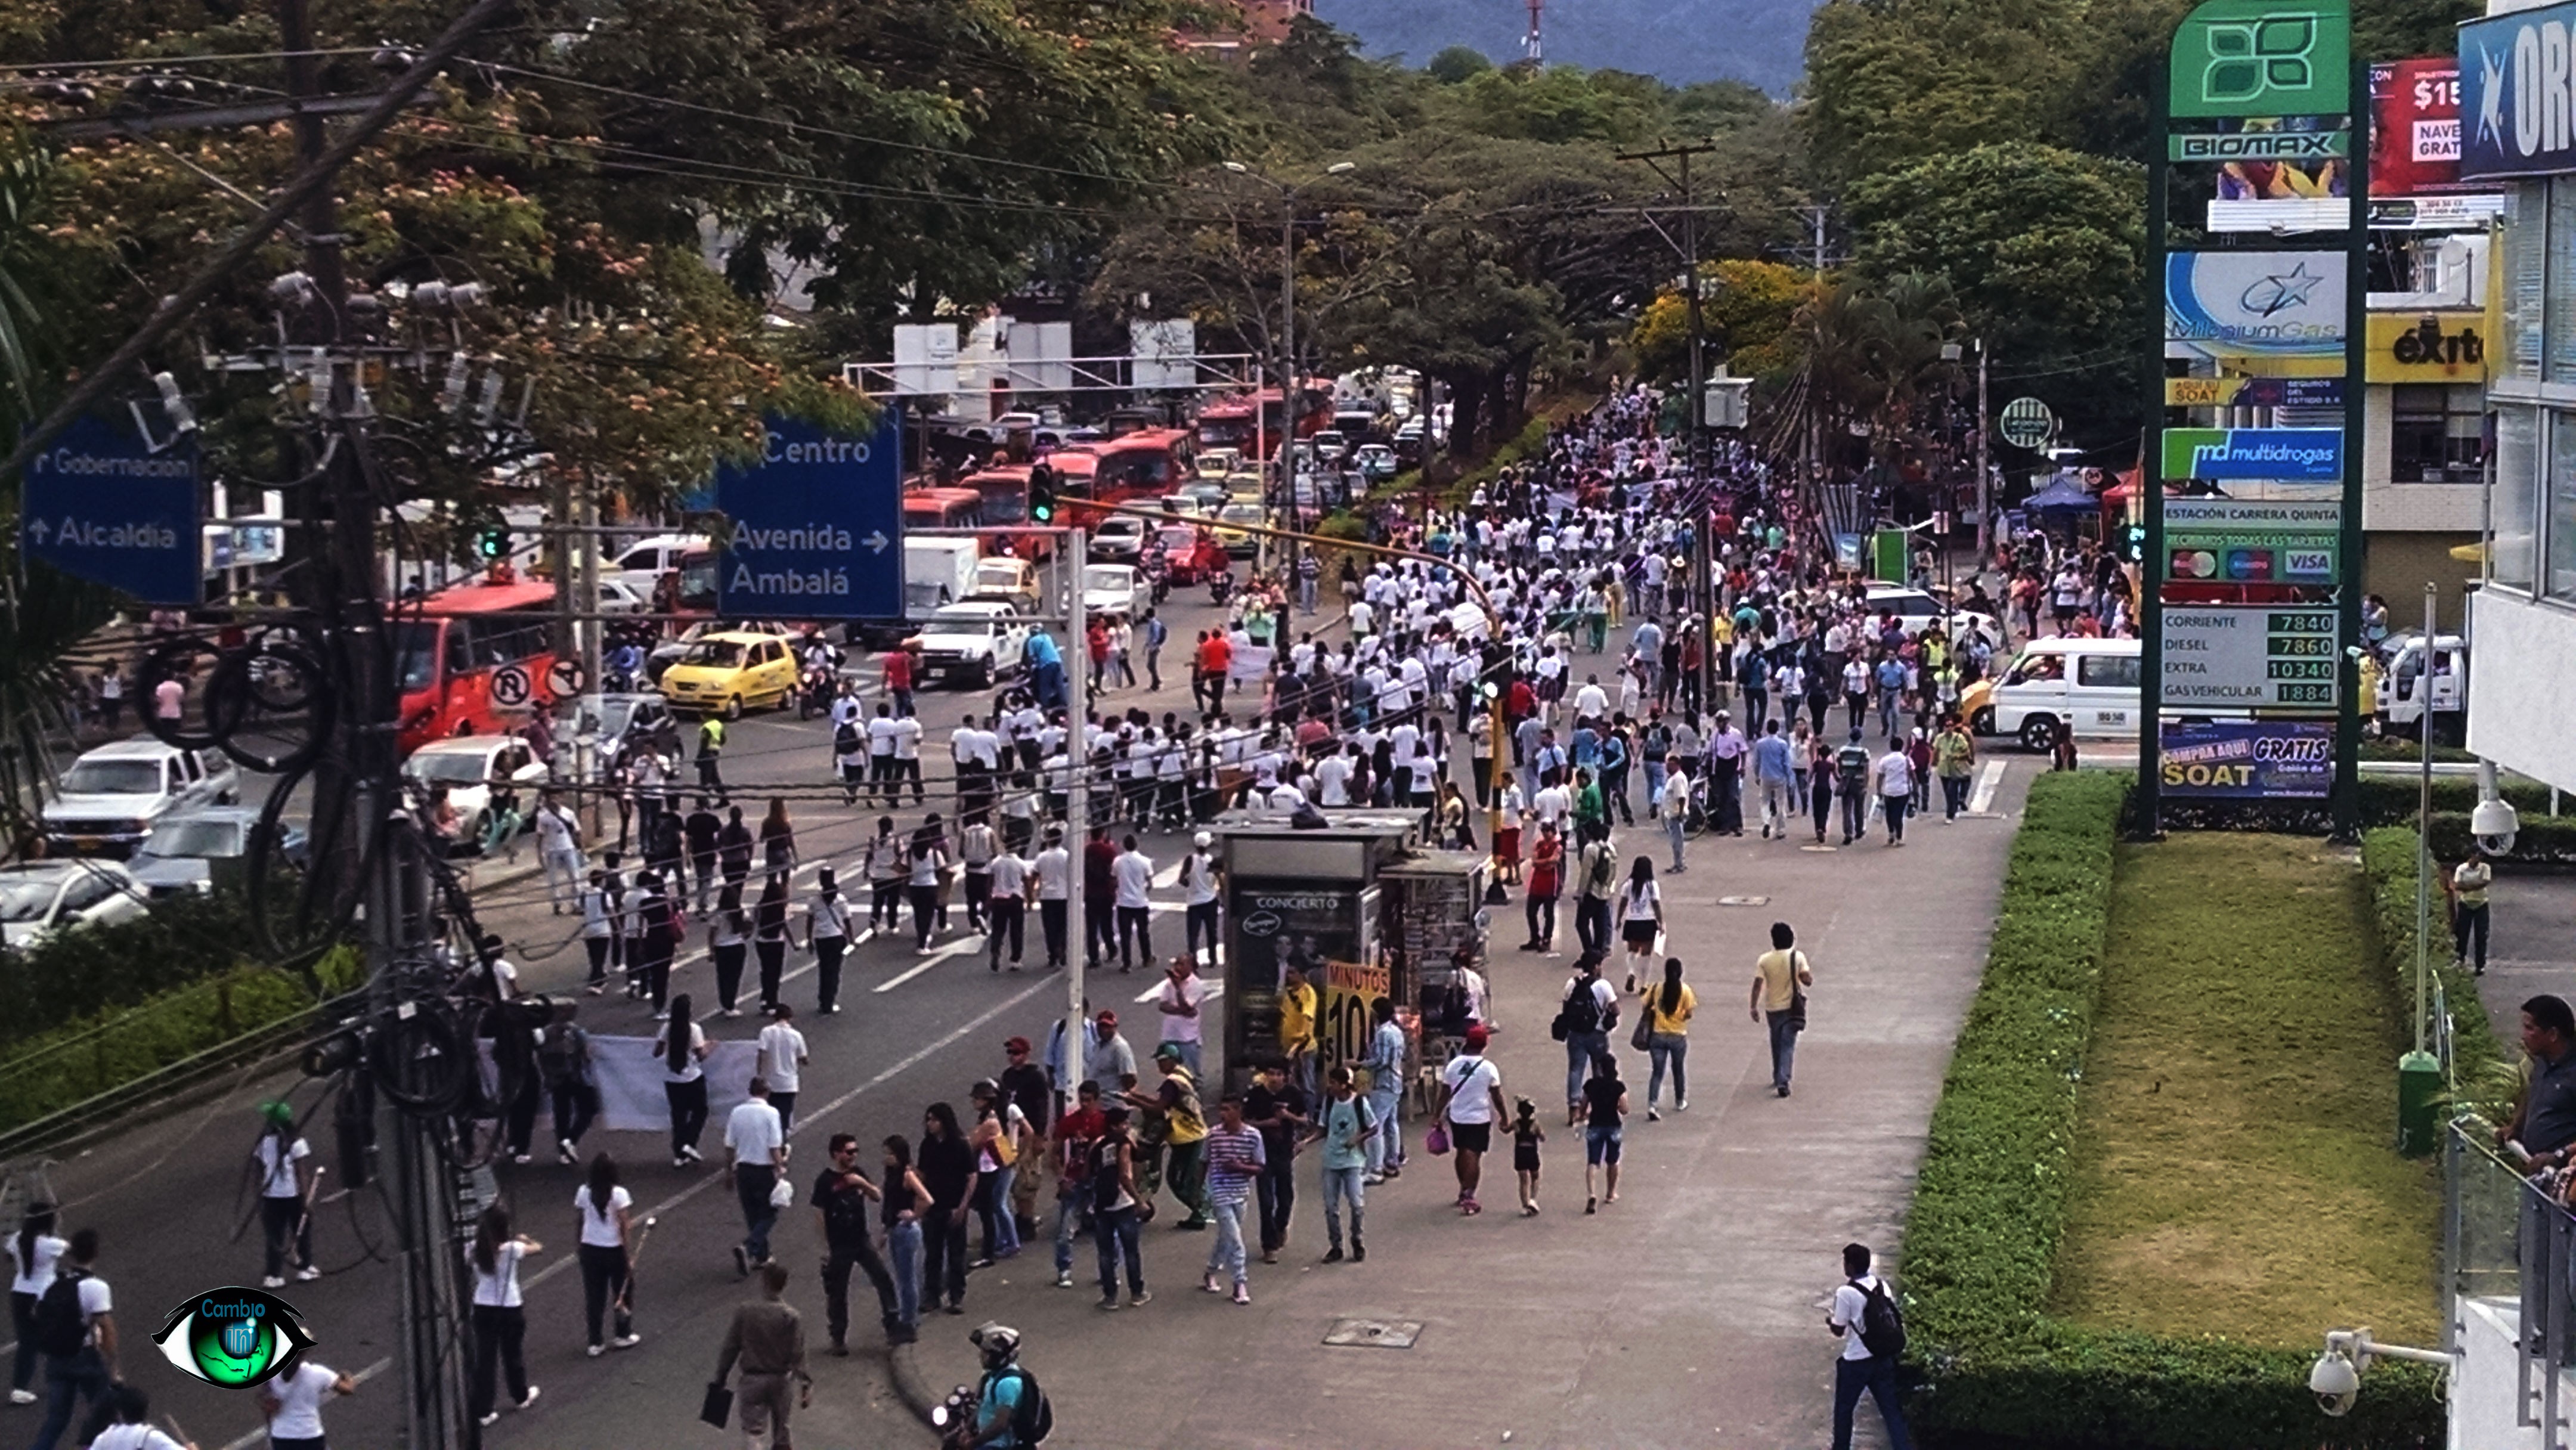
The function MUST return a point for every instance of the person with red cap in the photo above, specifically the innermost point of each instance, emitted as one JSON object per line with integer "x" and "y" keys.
{"x": 1471, "y": 1103}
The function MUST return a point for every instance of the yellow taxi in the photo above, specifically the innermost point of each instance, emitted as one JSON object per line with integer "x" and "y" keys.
{"x": 1977, "y": 707}
{"x": 725, "y": 672}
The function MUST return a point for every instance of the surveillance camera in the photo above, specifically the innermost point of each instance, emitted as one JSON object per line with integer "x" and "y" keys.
{"x": 2335, "y": 1382}
{"x": 2494, "y": 823}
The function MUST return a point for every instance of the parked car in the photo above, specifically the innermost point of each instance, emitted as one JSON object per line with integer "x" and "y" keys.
{"x": 1329, "y": 445}
{"x": 201, "y": 849}
{"x": 40, "y": 898}
{"x": 641, "y": 565}
{"x": 1206, "y": 496}
{"x": 620, "y": 596}
{"x": 468, "y": 765}
{"x": 1118, "y": 539}
{"x": 1012, "y": 581}
{"x": 1115, "y": 591}
{"x": 1376, "y": 461}
{"x": 730, "y": 671}
{"x": 615, "y": 723}
{"x": 1917, "y": 611}
{"x": 113, "y": 796}
{"x": 1238, "y": 543}
{"x": 976, "y": 641}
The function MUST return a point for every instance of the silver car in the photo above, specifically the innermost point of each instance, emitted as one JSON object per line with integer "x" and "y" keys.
{"x": 40, "y": 898}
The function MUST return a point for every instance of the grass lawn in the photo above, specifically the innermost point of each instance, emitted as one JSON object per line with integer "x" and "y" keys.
{"x": 2233, "y": 1173}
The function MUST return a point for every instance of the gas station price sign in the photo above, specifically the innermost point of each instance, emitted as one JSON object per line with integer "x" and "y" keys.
{"x": 2232, "y": 658}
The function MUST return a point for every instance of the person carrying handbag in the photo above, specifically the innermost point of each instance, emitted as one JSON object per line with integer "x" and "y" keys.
{"x": 1781, "y": 978}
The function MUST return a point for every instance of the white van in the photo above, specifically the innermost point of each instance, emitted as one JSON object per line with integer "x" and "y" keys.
{"x": 2400, "y": 693}
{"x": 641, "y": 565}
{"x": 2089, "y": 686}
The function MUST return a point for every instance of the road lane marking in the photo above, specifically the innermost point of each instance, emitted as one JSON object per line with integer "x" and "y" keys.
{"x": 962, "y": 947}
{"x": 250, "y": 1438}
{"x": 1989, "y": 776}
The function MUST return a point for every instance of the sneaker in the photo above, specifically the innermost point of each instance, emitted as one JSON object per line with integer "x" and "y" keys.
{"x": 1063, "y": 1279}
{"x": 678, "y": 1161}
{"x": 741, "y": 1262}
{"x": 22, "y": 1397}
{"x": 529, "y": 1399}
{"x": 273, "y": 1281}
{"x": 1109, "y": 1305}
{"x": 593, "y": 990}
{"x": 1652, "y": 1116}
{"x": 1333, "y": 1255}
{"x": 492, "y": 1418}
{"x": 838, "y": 1350}
{"x": 691, "y": 1153}
{"x": 1242, "y": 1292}
{"x": 1359, "y": 1251}
{"x": 1139, "y": 1299}
{"x": 597, "y": 1350}
{"x": 1681, "y": 1105}
{"x": 564, "y": 1152}
{"x": 1210, "y": 1284}
{"x": 1372, "y": 1179}
{"x": 628, "y": 1340}
{"x": 307, "y": 1274}
{"x": 733, "y": 1011}
{"x": 519, "y": 1158}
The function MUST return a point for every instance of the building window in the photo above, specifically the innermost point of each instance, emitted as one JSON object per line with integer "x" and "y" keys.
{"x": 2562, "y": 506}
{"x": 2510, "y": 504}
{"x": 2526, "y": 243}
{"x": 2433, "y": 434}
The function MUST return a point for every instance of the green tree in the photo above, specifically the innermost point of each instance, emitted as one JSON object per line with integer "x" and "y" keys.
{"x": 1748, "y": 310}
{"x": 1457, "y": 63}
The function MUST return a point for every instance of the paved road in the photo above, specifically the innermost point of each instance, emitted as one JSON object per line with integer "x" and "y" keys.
{"x": 914, "y": 1030}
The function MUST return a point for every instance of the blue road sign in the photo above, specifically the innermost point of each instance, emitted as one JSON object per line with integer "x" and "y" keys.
{"x": 814, "y": 530}
{"x": 101, "y": 505}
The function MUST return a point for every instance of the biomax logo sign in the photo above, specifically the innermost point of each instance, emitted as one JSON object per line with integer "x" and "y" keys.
{"x": 233, "y": 1337}
{"x": 2263, "y": 58}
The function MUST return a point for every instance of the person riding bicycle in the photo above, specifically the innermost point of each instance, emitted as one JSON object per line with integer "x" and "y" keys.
{"x": 1011, "y": 1412}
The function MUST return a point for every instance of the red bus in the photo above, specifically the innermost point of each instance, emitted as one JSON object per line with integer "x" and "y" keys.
{"x": 952, "y": 508}
{"x": 1228, "y": 422}
{"x": 1146, "y": 464}
{"x": 451, "y": 649}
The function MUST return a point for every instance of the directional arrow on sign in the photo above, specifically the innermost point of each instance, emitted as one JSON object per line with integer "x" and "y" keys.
{"x": 36, "y": 528}
{"x": 876, "y": 542}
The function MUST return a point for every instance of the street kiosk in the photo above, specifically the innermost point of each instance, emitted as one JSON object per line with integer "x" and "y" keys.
{"x": 1365, "y": 914}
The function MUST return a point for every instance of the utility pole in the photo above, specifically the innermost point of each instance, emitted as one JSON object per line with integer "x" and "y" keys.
{"x": 1702, "y": 556}
{"x": 1077, "y": 805}
{"x": 1985, "y": 504}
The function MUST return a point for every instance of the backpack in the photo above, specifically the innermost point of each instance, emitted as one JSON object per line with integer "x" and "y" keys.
{"x": 1032, "y": 1418}
{"x": 845, "y": 738}
{"x": 1582, "y": 1010}
{"x": 561, "y": 1054}
{"x": 1882, "y": 1326}
{"x": 61, "y": 1328}
{"x": 1852, "y": 763}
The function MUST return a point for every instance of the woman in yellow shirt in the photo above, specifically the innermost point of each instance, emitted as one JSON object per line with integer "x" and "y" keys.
{"x": 1668, "y": 1006}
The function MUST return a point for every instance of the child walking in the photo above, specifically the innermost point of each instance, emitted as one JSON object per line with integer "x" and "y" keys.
{"x": 1526, "y": 1136}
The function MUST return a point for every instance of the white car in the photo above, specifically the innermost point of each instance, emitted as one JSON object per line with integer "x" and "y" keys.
{"x": 1917, "y": 611}
{"x": 1115, "y": 591}
{"x": 976, "y": 642}
{"x": 641, "y": 565}
{"x": 40, "y": 898}
{"x": 1375, "y": 461}
{"x": 468, "y": 764}
{"x": 1118, "y": 537}
{"x": 112, "y": 796}
{"x": 620, "y": 596}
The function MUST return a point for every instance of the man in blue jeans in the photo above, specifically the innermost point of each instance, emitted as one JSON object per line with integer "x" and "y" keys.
{"x": 1860, "y": 1368}
{"x": 1586, "y": 1011}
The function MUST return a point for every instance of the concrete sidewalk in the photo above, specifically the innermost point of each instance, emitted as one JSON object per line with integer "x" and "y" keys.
{"x": 1689, "y": 1313}
{"x": 2530, "y": 921}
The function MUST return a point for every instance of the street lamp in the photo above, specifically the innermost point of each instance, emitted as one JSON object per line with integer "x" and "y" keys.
{"x": 1288, "y": 388}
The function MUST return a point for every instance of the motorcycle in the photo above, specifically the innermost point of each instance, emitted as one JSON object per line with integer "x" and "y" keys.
{"x": 953, "y": 1419}
{"x": 1221, "y": 586}
{"x": 1158, "y": 573}
{"x": 814, "y": 691}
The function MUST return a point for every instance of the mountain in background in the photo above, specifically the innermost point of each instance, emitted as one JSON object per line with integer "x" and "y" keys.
{"x": 1678, "y": 41}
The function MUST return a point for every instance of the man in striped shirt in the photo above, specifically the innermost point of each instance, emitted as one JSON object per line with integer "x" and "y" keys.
{"x": 1234, "y": 1159}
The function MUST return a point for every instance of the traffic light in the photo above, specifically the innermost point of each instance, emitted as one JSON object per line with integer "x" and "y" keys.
{"x": 492, "y": 543}
{"x": 2133, "y": 543}
{"x": 1041, "y": 494}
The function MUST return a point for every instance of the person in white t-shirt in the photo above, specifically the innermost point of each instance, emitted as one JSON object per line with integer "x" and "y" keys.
{"x": 782, "y": 1056}
{"x": 1895, "y": 776}
{"x": 1178, "y": 1003}
{"x": 1856, "y": 1370}
{"x": 285, "y": 1190}
{"x": 1052, "y": 875}
{"x": 33, "y": 1251}
{"x": 758, "y": 1142}
{"x": 607, "y": 1246}
{"x": 1007, "y": 913}
{"x": 1133, "y": 872}
{"x": 1200, "y": 876}
{"x": 293, "y": 1403}
{"x": 1471, "y": 1102}
{"x": 133, "y": 1428}
{"x": 500, "y": 1318}
{"x": 682, "y": 1047}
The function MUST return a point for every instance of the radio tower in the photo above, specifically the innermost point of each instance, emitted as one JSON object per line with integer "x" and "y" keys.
{"x": 1529, "y": 44}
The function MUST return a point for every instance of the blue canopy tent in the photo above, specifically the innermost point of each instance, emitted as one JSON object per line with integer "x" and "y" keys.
{"x": 2062, "y": 496}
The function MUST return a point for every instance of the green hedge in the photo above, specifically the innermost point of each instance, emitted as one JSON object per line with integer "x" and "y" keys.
{"x": 78, "y": 974}
{"x": 110, "y": 1049}
{"x": 2388, "y": 864}
{"x": 1989, "y": 1210}
{"x": 2537, "y": 840}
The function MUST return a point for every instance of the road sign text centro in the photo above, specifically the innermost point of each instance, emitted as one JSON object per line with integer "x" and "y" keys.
{"x": 815, "y": 528}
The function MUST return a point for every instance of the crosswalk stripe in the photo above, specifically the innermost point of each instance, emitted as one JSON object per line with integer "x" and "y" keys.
{"x": 1989, "y": 776}
{"x": 954, "y": 949}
